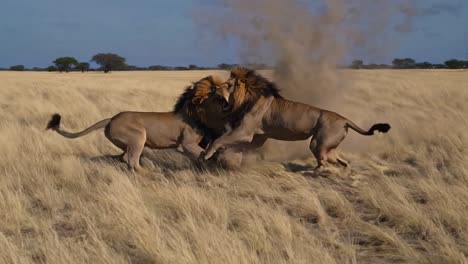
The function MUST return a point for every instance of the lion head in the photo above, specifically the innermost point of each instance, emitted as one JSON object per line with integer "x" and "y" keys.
{"x": 246, "y": 87}
{"x": 203, "y": 105}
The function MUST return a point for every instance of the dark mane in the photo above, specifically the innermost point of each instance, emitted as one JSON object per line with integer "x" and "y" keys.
{"x": 198, "y": 113}
{"x": 186, "y": 109}
{"x": 188, "y": 94}
{"x": 256, "y": 86}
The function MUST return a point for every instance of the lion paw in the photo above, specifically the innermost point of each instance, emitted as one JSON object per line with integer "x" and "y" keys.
{"x": 209, "y": 154}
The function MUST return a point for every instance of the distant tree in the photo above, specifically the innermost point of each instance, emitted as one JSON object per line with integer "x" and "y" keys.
{"x": 82, "y": 66}
{"x": 159, "y": 68}
{"x": 51, "y": 68}
{"x": 133, "y": 68}
{"x": 439, "y": 66}
{"x": 385, "y": 66}
{"x": 181, "y": 68}
{"x": 371, "y": 66}
{"x": 424, "y": 65}
{"x": 225, "y": 66}
{"x": 455, "y": 64}
{"x": 65, "y": 64}
{"x": 357, "y": 64}
{"x": 17, "y": 68}
{"x": 406, "y": 63}
{"x": 109, "y": 61}
{"x": 129, "y": 68}
{"x": 193, "y": 67}
{"x": 255, "y": 66}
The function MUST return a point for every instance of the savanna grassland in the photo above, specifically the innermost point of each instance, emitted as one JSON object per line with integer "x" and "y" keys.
{"x": 404, "y": 199}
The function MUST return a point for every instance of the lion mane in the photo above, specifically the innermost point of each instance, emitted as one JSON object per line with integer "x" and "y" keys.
{"x": 201, "y": 108}
{"x": 249, "y": 88}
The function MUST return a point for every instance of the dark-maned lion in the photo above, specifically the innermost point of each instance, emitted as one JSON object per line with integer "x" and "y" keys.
{"x": 210, "y": 115}
{"x": 259, "y": 111}
{"x": 132, "y": 131}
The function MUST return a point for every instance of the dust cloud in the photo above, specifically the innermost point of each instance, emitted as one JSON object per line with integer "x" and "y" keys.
{"x": 307, "y": 41}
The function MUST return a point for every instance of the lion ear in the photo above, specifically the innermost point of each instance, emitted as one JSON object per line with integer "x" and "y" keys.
{"x": 192, "y": 86}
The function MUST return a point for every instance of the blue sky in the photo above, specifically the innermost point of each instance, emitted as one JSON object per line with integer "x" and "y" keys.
{"x": 150, "y": 32}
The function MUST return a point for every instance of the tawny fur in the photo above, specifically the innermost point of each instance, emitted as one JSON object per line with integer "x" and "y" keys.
{"x": 211, "y": 117}
{"x": 272, "y": 116}
{"x": 132, "y": 131}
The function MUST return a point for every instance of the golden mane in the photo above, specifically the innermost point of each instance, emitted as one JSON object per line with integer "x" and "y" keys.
{"x": 249, "y": 88}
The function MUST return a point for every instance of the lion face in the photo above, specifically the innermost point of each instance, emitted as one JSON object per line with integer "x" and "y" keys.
{"x": 235, "y": 88}
{"x": 204, "y": 104}
{"x": 223, "y": 91}
{"x": 204, "y": 88}
{"x": 208, "y": 91}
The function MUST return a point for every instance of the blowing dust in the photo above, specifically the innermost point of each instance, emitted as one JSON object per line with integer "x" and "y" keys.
{"x": 306, "y": 42}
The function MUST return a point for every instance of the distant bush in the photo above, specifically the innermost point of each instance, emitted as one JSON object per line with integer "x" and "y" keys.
{"x": 456, "y": 64}
{"x": 51, "y": 68}
{"x": 439, "y": 66}
{"x": 406, "y": 63}
{"x": 159, "y": 68}
{"x": 423, "y": 65}
{"x": 357, "y": 64}
{"x": 17, "y": 68}
{"x": 225, "y": 66}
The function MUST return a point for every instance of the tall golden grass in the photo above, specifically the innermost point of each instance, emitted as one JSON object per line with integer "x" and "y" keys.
{"x": 404, "y": 200}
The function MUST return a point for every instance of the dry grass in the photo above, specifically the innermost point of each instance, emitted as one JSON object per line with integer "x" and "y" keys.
{"x": 405, "y": 200}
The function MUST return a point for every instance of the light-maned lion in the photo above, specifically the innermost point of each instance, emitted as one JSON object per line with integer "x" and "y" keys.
{"x": 259, "y": 112}
{"x": 132, "y": 131}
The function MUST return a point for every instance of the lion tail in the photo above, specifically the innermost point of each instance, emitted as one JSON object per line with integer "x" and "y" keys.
{"x": 54, "y": 124}
{"x": 381, "y": 127}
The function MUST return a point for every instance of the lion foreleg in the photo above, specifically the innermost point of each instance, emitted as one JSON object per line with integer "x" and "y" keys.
{"x": 235, "y": 137}
{"x": 193, "y": 150}
{"x": 250, "y": 125}
{"x": 189, "y": 143}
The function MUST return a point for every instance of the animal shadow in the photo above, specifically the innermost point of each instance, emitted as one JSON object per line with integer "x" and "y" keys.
{"x": 306, "y": 170}
{"x": 295, "y": 167}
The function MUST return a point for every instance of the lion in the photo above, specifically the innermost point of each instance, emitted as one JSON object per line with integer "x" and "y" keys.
{"x": 211, "y": 117}
{"x": 259, "y": 112}
{"x": 132, "y": 131}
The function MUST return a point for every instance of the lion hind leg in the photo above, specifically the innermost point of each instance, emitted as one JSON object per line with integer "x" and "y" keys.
{"x": 319, "y": 153}
{"x": 134, "y": 149}
{"x": 333, "y": 158}
{"x": 133, "y": 156}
